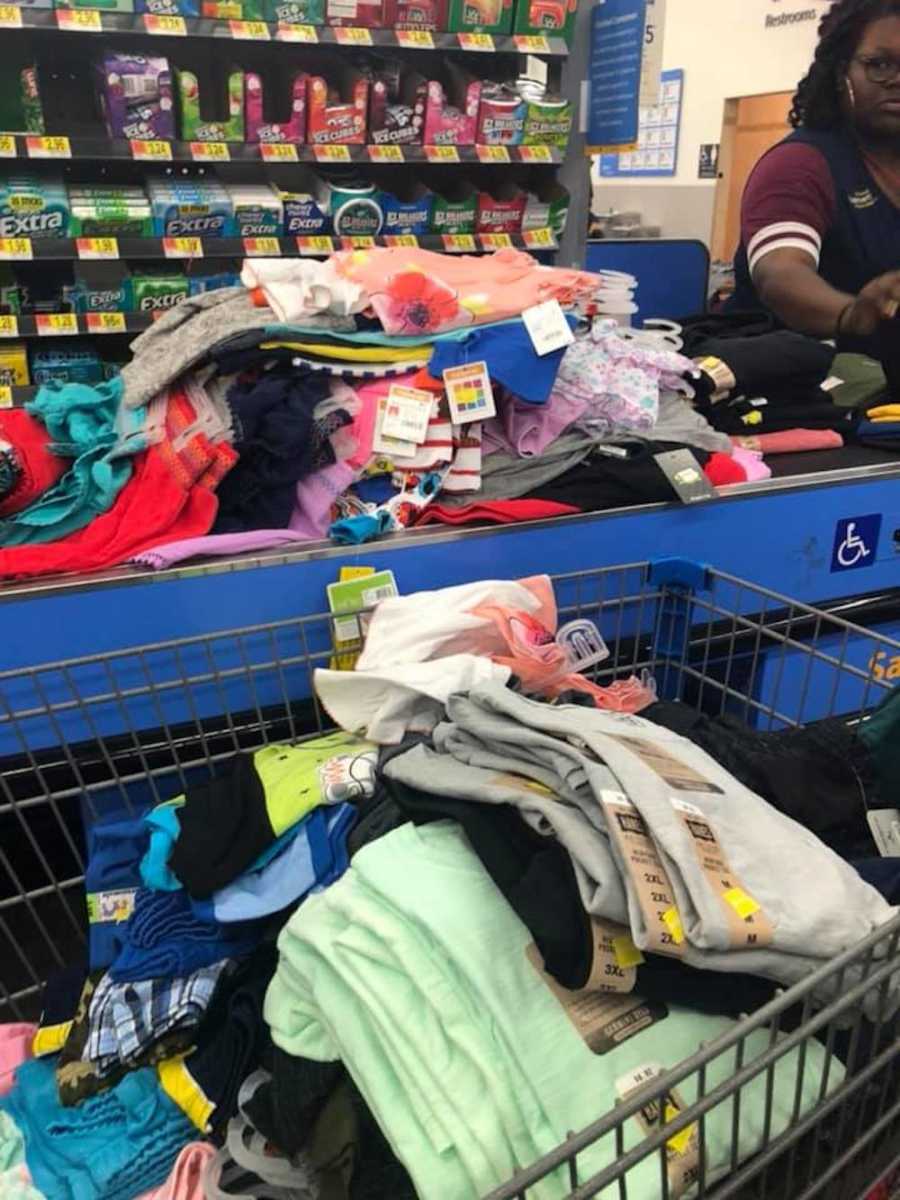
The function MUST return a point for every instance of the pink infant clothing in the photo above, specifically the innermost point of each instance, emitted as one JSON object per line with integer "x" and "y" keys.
{"x": 186, "y": 1179}
{"x": 15, "y": 1047}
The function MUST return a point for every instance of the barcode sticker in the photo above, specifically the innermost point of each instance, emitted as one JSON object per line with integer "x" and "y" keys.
{"x": 374, "y": 595}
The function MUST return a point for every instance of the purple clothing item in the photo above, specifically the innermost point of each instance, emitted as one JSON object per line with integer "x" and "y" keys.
{"x": 527, "y": 429}
{"x": 315, "y": 495}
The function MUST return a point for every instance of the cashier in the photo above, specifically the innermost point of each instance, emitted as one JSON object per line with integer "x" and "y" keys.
{"x": 820, "y": 224}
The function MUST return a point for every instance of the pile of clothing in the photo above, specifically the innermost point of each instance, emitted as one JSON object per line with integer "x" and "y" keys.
{"x": 407, "y": 958}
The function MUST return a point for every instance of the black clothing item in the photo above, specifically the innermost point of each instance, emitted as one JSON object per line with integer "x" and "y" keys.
{"x": 375, "y": 817}
{"x": 61, "y": 996}
{"x": 883, "y": 874}
{"x": 821, "y": 775}
{"x": 284, "y": 1108}
{"x": 773, "y": 414}
{"x": 603, "y": 482}
{"x": 737, "y": 323}
{"x": 782, "y": 363}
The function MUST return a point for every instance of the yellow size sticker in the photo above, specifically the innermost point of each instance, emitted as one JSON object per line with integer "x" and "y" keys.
{"x": 744, "y": 905}
{"x": 476, "y": 41}
{"x": 492, "y": 154}
{"x": 496, "y": 241}
{"x": 298, "y": 33}
{"x": 10, "y": 16}
{"x": 672, "y": 922}
{"x": 16, "y": 248}
{"x": 104, "y": 247}
{"x": 6, "y": 397}
{"x": 529, "y": 43}
{"x": 458, "y": 243}
{"x": 626, "y": 952}
{"x": 160, "y": 23}
{"x": 534, "y": 238}
{"x": 56, "y": 324}
{"x": 401, "y": 239}
{"x": 151, "y": 151}
{"x": 252, "y": 31}
{"x": 210, "y": 152}
{"x": 7, "y": 146}
{"x": 442, "y": 154}
{"x": 385, "y": 154}
{"x": 109, "y": 322}
{"x": 262, "y": 247}
{"x": 48, "y": 147}
{"x": 349, "y": 35}
{"x": 315, "y": 245}
{"x": 183, "y": 247}
{"x": 9, "y": 327}
{"x": 535, "y": 154}
{"x": 332, "y": 153}
{"x": 415, "y": 39}
{"x": 278, "y": 152}
{"x": 81, "y": 20}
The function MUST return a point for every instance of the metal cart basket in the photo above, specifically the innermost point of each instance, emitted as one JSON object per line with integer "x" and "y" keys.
{"x": 108, "y": 734}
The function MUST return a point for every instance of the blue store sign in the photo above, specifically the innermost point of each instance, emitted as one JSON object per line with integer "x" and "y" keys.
{"x": 617, "y": 48}
{"x": 856, "y": 543}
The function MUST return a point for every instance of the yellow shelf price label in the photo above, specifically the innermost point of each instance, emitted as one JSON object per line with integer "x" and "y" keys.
{"x": 530, "y": 43}
{"x": 97, "y": 247}
{"x": 10, "y": 16}
{"x": 401, "y": 239}
{"x": 385, "y": 154}
{"x": 16, "y": 249}
{"x": 357, "y": 242}
{"x": 56, "y": 324}
{"x": 298, "y": 33}
{"x": 9, "y": 327}
{"x": 476, "y": 41}
{"x": 151, "y": 151}
{"x": 6, "y": 397}
{"x": 7, "y": 146}
{"x": 182, "y": 247}
{"x": 415, "y": 39}
{"x": 492, "y": 154}
{"x": 535, "y": 238}
{"x": 442, "y": 154}
{"x": 160, "y": 23}
{"x": 351, "y": 35}
{"x": 262, "y": 247}
{"x": 250, "y": 31}
{"x": 458, "y": 243}
{"x": 278, "y": 152}
{"x": 210, "y": 152}
{"x": 108, "y": 322}
{"x": 318, "y": 244}
{"x": 332, "y": 153}
{"x": 536, "y": 154}
{"x": 48, "y": 147}
{"x": 79, "y": 20}
{"x": 496, "y": 241}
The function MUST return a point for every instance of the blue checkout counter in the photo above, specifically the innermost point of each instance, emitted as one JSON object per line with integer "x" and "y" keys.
{"x": 828, "y": 527}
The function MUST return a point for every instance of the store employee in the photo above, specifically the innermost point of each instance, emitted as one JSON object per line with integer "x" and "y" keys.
{"x": 821, "y": 214}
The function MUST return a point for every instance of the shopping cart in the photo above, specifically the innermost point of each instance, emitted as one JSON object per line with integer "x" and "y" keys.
{"x": 108, "y": 734}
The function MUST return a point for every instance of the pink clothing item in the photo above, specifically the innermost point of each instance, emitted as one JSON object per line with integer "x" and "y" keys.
{"x": 752, "y": 463}
{"x": 791, "y": 441}
{"x": 528, "y": 429}
{"x": 216, "y": 545}
{"x": 368, "y": 395}
{"x": 186, "y": 1180}
{"x": 15, "y": 1047}
{"x": 418, "y": 291}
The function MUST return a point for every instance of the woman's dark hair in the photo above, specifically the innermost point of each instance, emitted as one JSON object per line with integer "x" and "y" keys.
{"x": 817, "y": 102}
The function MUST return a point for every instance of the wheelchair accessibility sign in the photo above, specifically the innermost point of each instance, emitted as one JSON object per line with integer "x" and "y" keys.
{"x": 856, "y": 543}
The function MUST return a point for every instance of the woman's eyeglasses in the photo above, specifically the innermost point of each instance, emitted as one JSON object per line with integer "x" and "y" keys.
{"x": 878, "y": 68}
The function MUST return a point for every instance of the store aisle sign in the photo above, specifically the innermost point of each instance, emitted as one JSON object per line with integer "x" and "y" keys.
{"x": 856, "y": 542}
{"x": 614, "y": 74}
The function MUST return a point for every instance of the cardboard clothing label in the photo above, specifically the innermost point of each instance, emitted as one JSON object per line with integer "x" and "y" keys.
{"x": 382, "y": 443}
{"x": 469, "y": 393}
{"x": 613, "y": 968}
{"x": 683, "y": 1148}
{"x": 686, "y": 476}
{"x": 547, "y": 327}
{"x": 885, "y": 826}
{"x": 407, "y": 413}
{"x": 357, "y": 588}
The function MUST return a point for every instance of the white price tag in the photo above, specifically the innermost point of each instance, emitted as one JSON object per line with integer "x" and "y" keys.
{"x": 382, "y": 444}
{"x": 407, "y": 414}
{"x": 547, "y": 327}
{"x": 885, "y": 826}
{"x": 469, "y": 393}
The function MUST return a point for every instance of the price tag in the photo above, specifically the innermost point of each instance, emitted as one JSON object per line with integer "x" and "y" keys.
{"x": 262, "y": 247}
{"x": 349, "y": 35}
{"x": 536, "y": 238}
{"x": 6, "y": 397}
{"x": 469, "y": 393}
{"x": 476, "y": 41}
{"x": 531, "y": 43}
{"x": 49, "y": 147}
{"x": 407, "y": 414}
{"x": 16, "y": 249}
{"x": 332, "y": 153}
{"x": 249, "y": 31}
{"x": 446, "y": 154}
{"x": 162, "y": 24}
{"x": 385, "y": 154}
{"x": 210, "y": 152}
{"x": 535, "y": 154}
{"x": 79, "y": 20}
{"x": 547, "y": 327}
{"x": 359, "y": 242}
{"x": 495, "y": 241}
{"x": 298, "y": 33}
{"x": 104, "y": 247}
{"x": 315, "y": 245}
{"x": 401, "y": 239}
{"x": 183, "y": 247}
{"x": 56, "y": 324}
{"x": 9, "y": 327}
{"x": 492, "y": 154}
{"x": 151, "y": 151}
{"x": 10, "y": 16}
{"x": 415, "y": 39}
{"x": 111, "y": 322}
{"x": 7, "y": 146}
{"x": 278, "y": 152}
{"x": 458, "y": 243}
